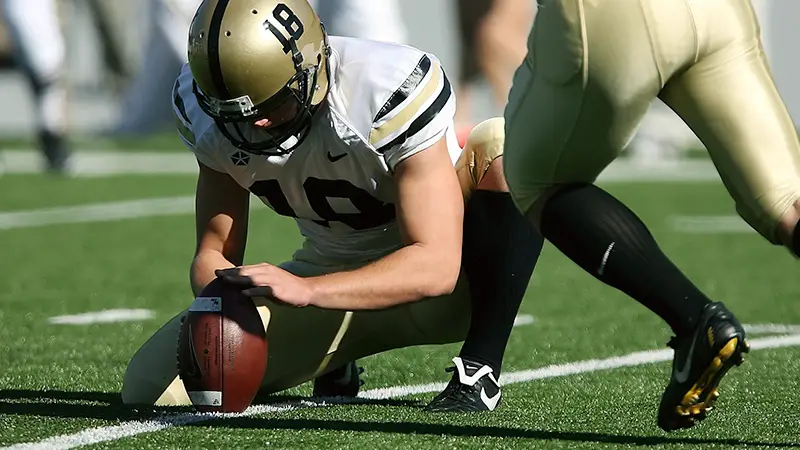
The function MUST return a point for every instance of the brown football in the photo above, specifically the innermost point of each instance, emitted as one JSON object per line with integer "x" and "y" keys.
{"x": 222, "y": 350}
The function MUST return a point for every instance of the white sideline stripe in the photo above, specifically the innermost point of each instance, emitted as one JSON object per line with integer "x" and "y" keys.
{"x": 133, "y": 428}
{"x": 523, "y": 319}
{"x": 102, "y": 212}
{"x": 110, "y": 162}
{"x": 709, "y": 224}
{"x": 592, "y": 365}
{"x": 97, "y": 212}
{"x": 771, "y": 328}
{"x": 104, "y": 316}
{"x": 625, "y": 171}
{"x": 94, "y": 164}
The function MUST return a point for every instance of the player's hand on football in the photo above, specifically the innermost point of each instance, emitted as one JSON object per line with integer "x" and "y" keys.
{"x": 266, "y": 280}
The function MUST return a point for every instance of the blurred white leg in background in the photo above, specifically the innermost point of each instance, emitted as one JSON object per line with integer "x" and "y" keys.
{"x": 39, "y": 49}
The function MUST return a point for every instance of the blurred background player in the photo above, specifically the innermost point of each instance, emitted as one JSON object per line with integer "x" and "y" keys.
{"x": 662, "y": 137}
{"x": 39, "y": 49}
{"x": 166, "y": 47}
{"x": 493, "y": 35}
{"x": 366, "y": 19}
{"x": 164, "y": 52}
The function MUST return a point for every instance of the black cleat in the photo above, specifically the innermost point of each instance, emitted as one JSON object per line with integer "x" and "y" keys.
{"x": 701, "y": 360}
{"x": 473, "y": 388}
{"x": 56, "y": 152}
{"x": 342, "y": 382}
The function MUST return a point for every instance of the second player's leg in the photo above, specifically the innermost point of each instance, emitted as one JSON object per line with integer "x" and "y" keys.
{"x": 591, "y": 75}
{"x": 576, "y": 101}
{"x": 730, "y": 101}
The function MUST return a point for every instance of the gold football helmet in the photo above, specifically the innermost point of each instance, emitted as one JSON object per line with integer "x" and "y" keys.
{"x": 259, "y": 59}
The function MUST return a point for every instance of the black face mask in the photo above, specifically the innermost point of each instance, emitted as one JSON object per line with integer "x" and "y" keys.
{"x": 235, "y": 117}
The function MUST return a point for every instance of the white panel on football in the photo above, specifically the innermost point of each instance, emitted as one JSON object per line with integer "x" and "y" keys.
{"x": 205, "y": 398}
{"x": 206, "y": 304}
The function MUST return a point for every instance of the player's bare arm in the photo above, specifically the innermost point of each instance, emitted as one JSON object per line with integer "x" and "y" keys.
{"x": 430, "y": 213}
{"x": 221, "y": 214}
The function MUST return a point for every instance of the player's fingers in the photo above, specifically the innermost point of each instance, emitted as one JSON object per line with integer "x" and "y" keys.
{"x": 240, "y": 280}
{"x": 234, "y": 276}
{"x": 258, "y": 291}
{"x": 226, "y": 272}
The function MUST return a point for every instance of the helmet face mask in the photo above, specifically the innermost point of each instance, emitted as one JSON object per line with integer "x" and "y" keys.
{"x": 289, "y": 110}
{"x": 289, "y": 84}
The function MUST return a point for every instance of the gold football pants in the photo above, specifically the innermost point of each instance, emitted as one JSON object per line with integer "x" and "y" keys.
{"x": 592, "y": 70}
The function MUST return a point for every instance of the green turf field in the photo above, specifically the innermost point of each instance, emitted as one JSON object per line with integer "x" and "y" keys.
{"x": 57, "y": 380}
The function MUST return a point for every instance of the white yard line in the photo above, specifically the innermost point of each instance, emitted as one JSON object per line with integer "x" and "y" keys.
{"x": 136, "y": 427}
{"x": 104, "y": 316}
{"x": 771, "y": 328}
{"x": 97, "y": 212}
{"x": 103, "y": 212}
{"x": 523, "y": 319}
{"x": 709, "y": 224}
{"x": 133, "y": 428}
{"x": 94, "y": 164}
{"x": 688, "y": 170}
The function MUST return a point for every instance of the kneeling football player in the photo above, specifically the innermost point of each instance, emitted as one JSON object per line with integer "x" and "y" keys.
{"x": 355, "y": 140}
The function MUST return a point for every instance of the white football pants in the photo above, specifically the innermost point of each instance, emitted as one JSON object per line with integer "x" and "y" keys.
{"x": 38, "y": 45}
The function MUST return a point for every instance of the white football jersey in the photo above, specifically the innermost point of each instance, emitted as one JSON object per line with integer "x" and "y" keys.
{"x": 386, "y": 103}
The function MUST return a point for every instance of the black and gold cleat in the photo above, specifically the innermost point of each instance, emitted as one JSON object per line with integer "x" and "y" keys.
{"x": 701, "y": 360}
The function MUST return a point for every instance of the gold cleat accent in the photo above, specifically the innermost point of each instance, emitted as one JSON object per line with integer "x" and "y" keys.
{"x": 712, "y": 398}
{"x": 728, "y": 350}
{"x": 692, "y": 398}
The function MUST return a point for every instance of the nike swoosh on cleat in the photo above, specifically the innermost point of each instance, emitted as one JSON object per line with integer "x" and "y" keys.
{"x": 682, "y": 375}
{"x": 490, "y": 402}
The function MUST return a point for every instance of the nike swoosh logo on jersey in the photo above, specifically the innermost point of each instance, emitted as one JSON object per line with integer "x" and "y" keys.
{"x": 332, "y": 158}
{"x": 682, "y": 375}
{"x": 490, "y": 402}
